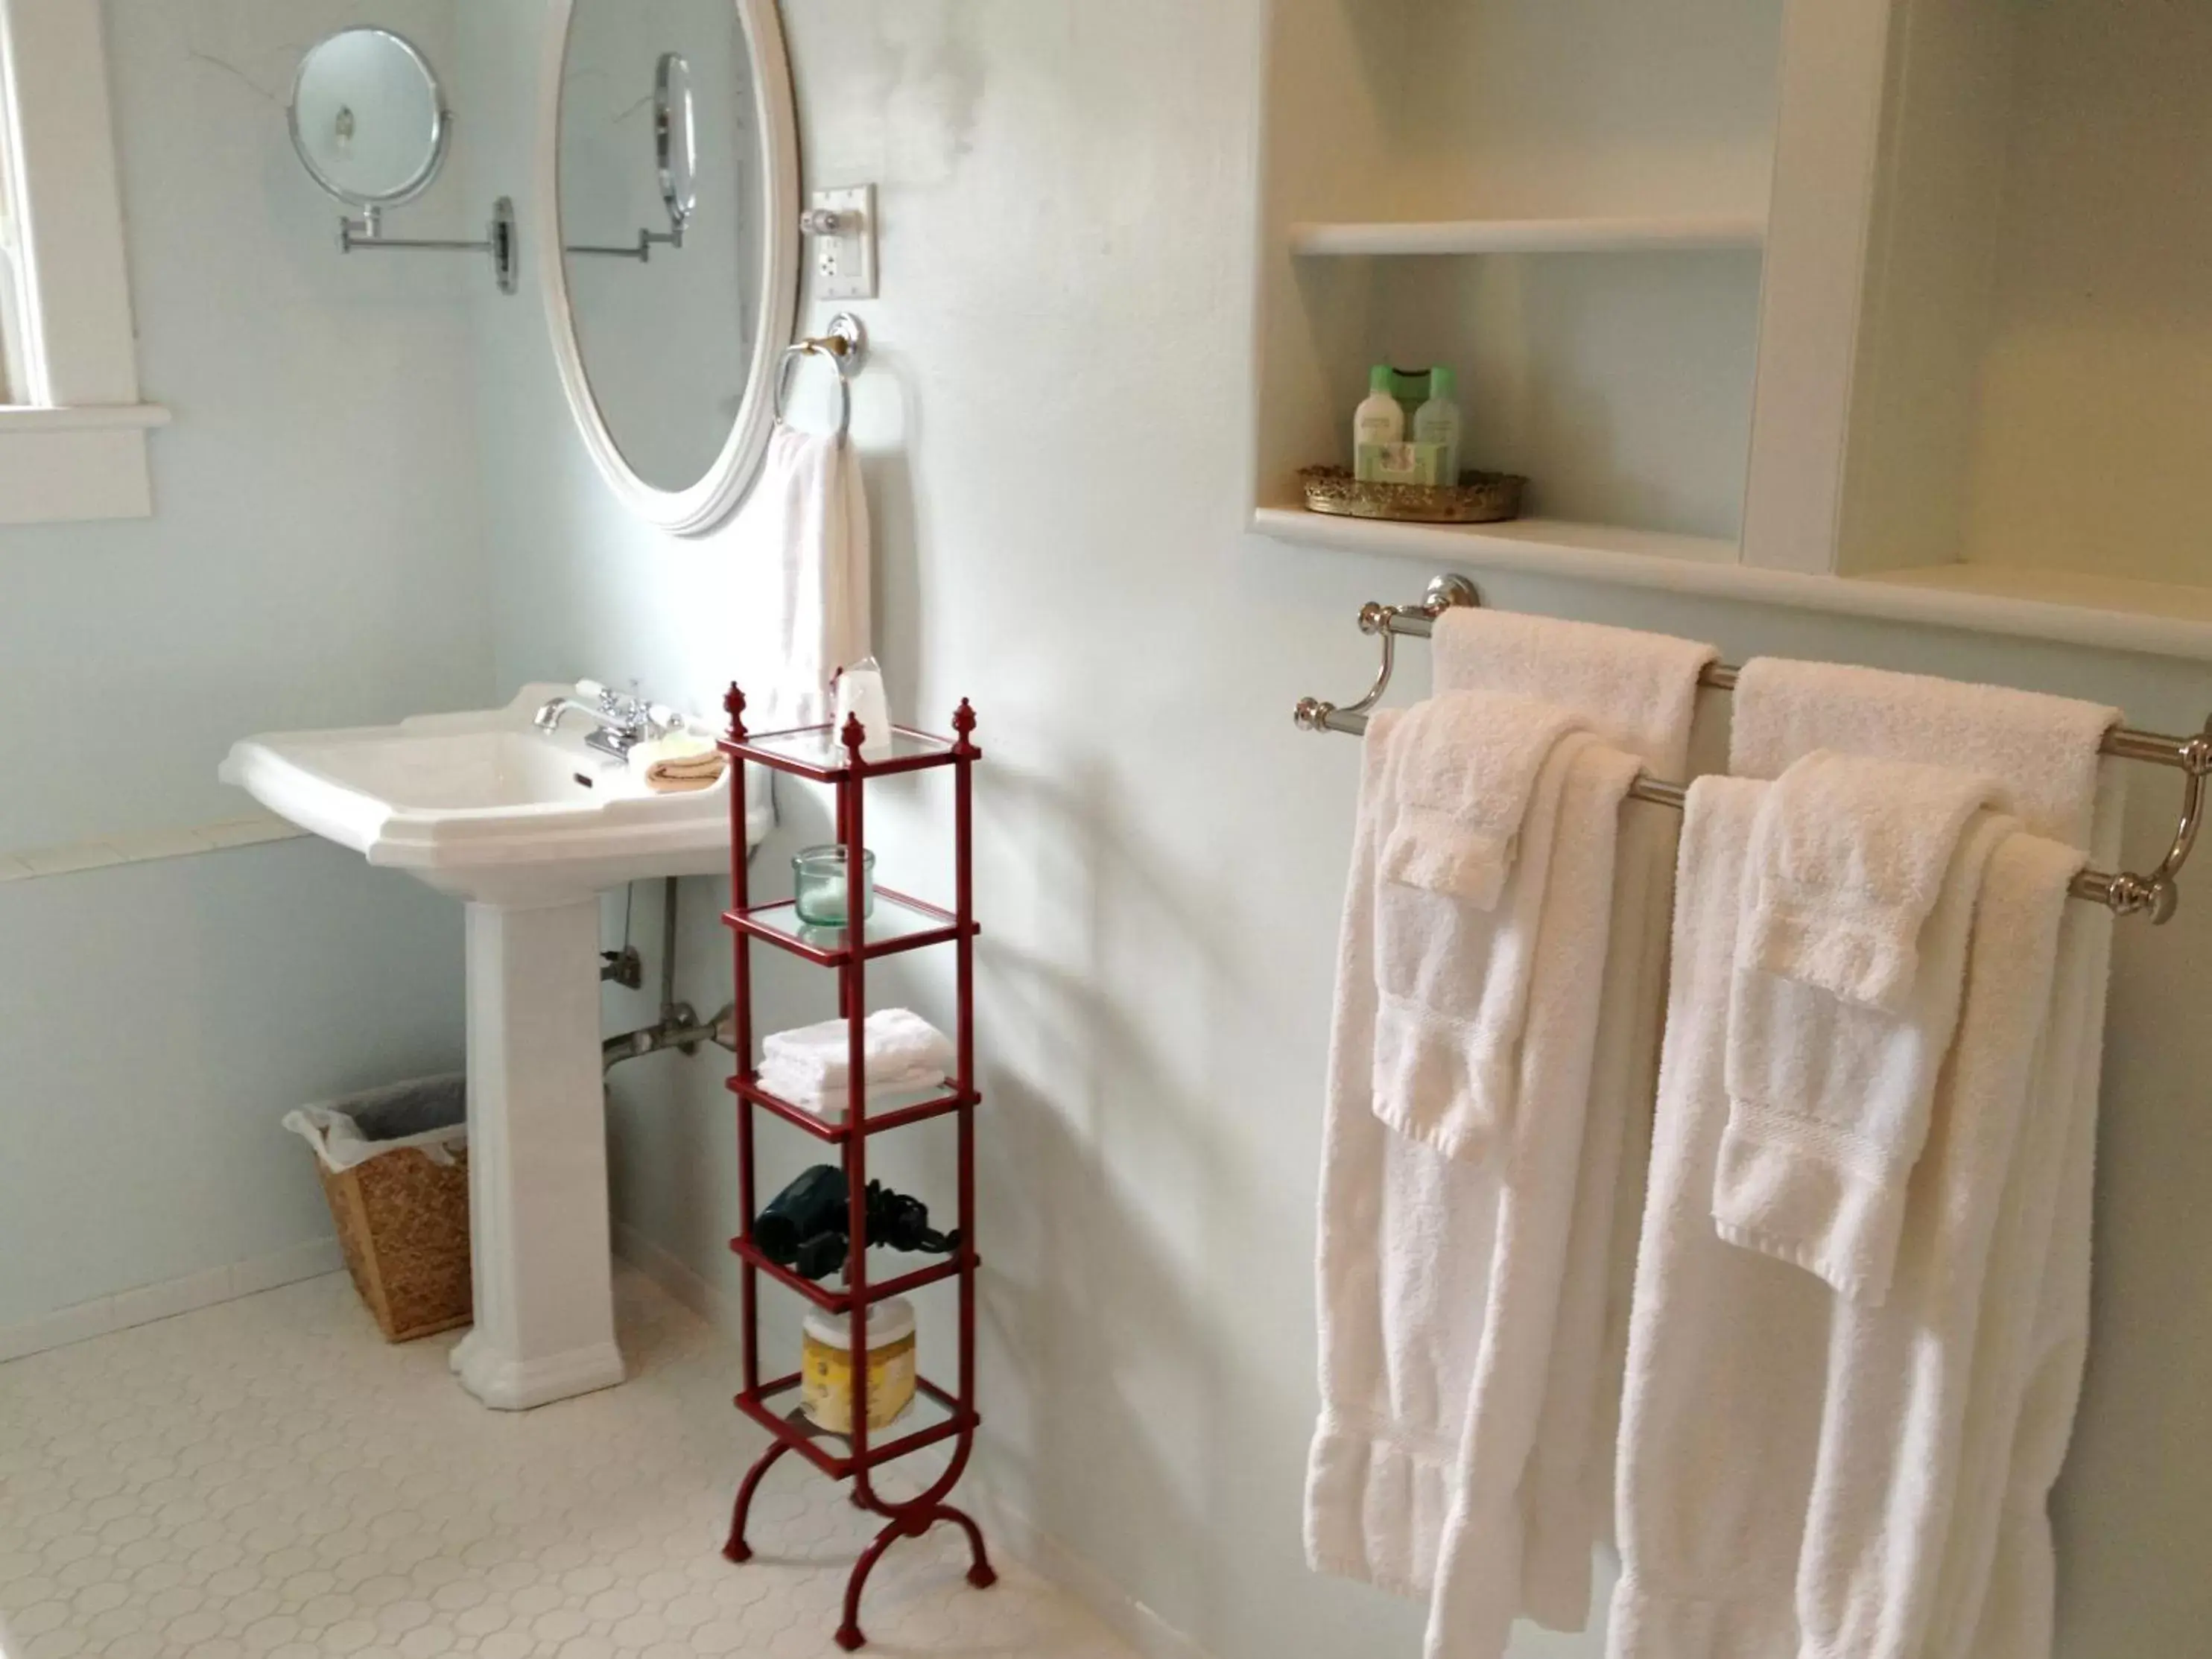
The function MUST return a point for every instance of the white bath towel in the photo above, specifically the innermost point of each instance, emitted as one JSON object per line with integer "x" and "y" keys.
{"x": 1467, "y": 767}
{"x": 1994, "y": 1597}
{"x": 1790, "y": 1458}
{"x": 1438, "y": 1275}
{"x": 1477, "y": 1592}
{"x": 804, "y": 540}
{"x": 1829, "y": 1099}
{"x": 1849, "y": 856}
{"x": 1638, "y": 691}
{"x": 1453, "y": 974}
{"x": 2043, "y": 752}
{"x": 894, "y": 1042}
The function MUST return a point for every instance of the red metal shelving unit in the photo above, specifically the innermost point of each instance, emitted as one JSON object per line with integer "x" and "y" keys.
{"x": 899, "y": 923}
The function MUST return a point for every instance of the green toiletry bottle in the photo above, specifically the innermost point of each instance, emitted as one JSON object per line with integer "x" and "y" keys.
{"x": 1436, "y": 427}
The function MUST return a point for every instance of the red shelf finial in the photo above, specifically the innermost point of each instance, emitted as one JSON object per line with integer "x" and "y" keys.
{"x": 734, "y": 703}
{"x": 853, "y": 737}
{"x": 964, "y": 722}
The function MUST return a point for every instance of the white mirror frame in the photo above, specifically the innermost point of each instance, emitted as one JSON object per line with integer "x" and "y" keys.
{"x": 706, "y": 504}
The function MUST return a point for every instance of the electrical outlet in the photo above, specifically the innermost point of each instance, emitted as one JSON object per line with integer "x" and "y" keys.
{"x": 845, "y": 259}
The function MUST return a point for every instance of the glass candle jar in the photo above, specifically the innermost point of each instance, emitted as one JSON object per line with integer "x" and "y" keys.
{"x": 819, "y": 883}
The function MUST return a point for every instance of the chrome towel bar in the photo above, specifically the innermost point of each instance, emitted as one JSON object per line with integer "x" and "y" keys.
{"x": 2156, "y": 895}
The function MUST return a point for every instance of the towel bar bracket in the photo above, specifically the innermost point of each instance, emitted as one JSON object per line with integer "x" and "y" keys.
{"x": 2156, "y": 895}
{"x": 1386, "y": 623}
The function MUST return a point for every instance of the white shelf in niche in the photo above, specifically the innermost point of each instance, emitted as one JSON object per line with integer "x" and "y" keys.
{"x": 1549, "y": 545}
{"x": 1662, "y": 233}
{"x": 2146, "y": 616}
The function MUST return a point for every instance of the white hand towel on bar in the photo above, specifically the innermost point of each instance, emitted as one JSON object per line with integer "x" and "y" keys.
{"x": 1849, "y": 856}
{"x": 1637, "y": 690}
{"x": 1788, "y": 1458}
{"x": 2040, "y": 752}
{"x": 1454, "y": 971}
{"x": 894, "y": 1041}
{"x": 1467, "y": 765}
{"x": 1829, "y": 1098}
{"x": 805, "y": 533}
{"x": 1422, "y": 1254}
{"x": 2043, "y": 754}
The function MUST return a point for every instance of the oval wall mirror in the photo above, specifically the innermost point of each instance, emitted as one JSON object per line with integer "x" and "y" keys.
{"x": 668, "y": 155}
{"x": 368, "y": 118}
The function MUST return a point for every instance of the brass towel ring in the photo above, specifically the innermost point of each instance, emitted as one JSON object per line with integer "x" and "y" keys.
{"x": 846, "y": 345}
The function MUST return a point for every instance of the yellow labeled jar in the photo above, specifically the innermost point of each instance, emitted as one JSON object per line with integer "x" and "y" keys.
{"x": 825, "y": 1389}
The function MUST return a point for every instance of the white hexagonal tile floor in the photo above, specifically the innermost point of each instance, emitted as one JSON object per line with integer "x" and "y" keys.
{"x": 269, "y": 1478}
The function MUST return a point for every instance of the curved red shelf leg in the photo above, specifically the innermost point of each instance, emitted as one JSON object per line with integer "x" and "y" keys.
{"x": 737, "y": 1549}
{"x": 980, "y": 1573}
{"x": 911, "y": 1524}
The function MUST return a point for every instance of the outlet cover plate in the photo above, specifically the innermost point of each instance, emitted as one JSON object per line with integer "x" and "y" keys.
{"x": 845, "y": 264}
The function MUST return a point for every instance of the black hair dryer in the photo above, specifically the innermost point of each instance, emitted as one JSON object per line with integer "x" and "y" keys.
{"x": 806, "y": 1228}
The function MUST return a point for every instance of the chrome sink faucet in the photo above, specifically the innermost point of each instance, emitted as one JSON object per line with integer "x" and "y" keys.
{"x": 624, "y": 720}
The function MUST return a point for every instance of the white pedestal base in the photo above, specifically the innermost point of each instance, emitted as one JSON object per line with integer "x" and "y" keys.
{"x": 537, "y": 1159}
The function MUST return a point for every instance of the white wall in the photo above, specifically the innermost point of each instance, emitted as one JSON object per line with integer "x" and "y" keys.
{"x": 313, "y": 559}
{"x": 1055, "y": 434}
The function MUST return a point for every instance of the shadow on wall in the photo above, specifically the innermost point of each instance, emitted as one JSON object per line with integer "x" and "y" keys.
{"x": 1107, "y": 1192}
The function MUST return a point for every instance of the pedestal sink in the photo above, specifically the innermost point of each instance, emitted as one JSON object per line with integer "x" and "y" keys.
{"x": 528, "y": 829}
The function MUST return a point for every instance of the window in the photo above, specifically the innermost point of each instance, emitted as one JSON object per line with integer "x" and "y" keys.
{"x": 72, "y": 427}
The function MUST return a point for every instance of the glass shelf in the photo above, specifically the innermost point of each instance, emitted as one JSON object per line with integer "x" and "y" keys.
{"x": 837, "y": 1298}
{"x": 935, "y": 1415}
{"x": 887, "y": 1109}
{"x": 814, "y": 751}
{"x": 899, "y": 924}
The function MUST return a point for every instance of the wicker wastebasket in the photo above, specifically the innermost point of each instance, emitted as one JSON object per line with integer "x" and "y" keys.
{"x": 394, "y": 1166}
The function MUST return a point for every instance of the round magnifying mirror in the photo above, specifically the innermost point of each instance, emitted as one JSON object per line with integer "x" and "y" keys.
{"x": 676, "y": 139}
{"x": 368, "y": 118}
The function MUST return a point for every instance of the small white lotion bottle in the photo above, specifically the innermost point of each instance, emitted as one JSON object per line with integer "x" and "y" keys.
{"x": 1378, "y": 423}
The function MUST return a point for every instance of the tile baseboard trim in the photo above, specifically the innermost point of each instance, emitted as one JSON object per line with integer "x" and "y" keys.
{"x": 1010, "y": 1529}
{"x": 674, "y": 1276}
{"x": 146, "y": 847}
{"x": 1007, "y": 1528}
{"x": 104, "y": 1314}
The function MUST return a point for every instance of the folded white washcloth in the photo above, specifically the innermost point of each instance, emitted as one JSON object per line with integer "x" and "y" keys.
{"x": 1453, "y": 981}
{"x": 1465, "y": 765}
{"x": 834, "y": 1105}
{"x": 1829, "y": 1100}
{"x": 895, "y": 1041}
{"x": 1848, "y": 857}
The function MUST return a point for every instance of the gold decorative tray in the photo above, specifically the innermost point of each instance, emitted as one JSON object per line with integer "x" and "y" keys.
{"x": 1476, "y": 498}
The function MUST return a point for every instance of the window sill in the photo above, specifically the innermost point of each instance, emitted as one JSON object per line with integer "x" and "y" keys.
{"x": 64, "y": 466}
